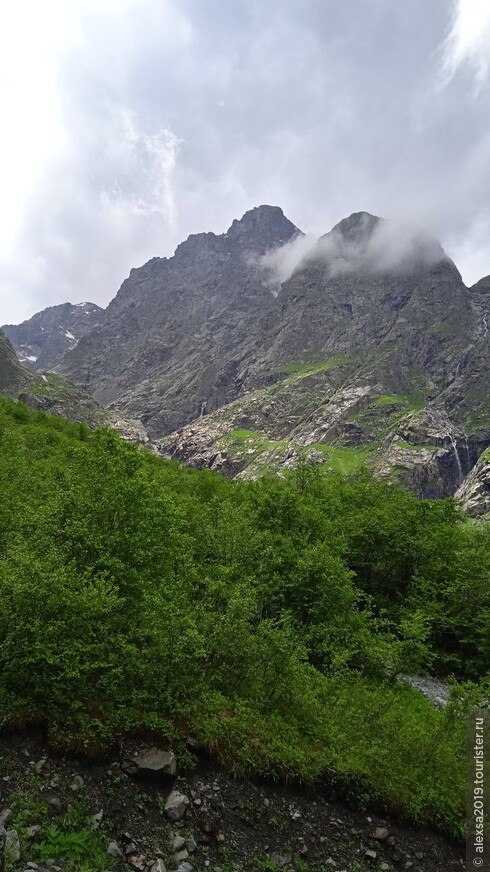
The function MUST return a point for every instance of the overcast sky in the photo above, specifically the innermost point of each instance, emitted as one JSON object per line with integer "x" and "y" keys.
{"x": 128, "y": 124}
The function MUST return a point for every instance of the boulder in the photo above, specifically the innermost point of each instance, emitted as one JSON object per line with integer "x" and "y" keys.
{"x": 158, "y": 866}
{"x": 280, "y": 860}
{"x": 176, "y": 805}
{"x": 155, "y": 763}
{"x": 114, "y": 850}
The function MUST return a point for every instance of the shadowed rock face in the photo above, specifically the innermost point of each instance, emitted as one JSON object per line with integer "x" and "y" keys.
{"x": 41, "y": 341}
{"x": 13, "y": 376}
{"x": 373, "y": 349}
{"x": 180, "y": 332}
{"x": 474, "y": 492}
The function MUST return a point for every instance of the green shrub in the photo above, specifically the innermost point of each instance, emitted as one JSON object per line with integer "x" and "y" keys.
{"x": 266, "y": 618}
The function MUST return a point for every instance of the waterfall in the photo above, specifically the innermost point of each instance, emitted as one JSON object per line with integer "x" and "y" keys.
{"x": 458, "y": 461}
{"x": 203, "y": 408}
{"x": 484, "y": 319}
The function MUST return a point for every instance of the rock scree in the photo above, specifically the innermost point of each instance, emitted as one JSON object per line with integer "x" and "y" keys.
{"x": 189, "y": 822}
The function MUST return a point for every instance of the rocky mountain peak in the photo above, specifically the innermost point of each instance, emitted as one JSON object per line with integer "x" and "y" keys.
{"x": 262, "y": 228}
{"x": 357, "y": 227}
{"x": 198, "y": 246}
{"x": 42, "y": 340}
{"x": 258, "y": 230}
{"x": 364, "y": 243}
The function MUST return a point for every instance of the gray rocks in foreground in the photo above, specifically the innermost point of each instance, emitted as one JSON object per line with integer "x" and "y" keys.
{"x": 176, "y": 805}
{"x": 153, "y": 762}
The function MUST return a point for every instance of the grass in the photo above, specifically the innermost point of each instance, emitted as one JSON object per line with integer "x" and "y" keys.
{"x": 304, "y": 368}
{"x": 436, "y": 329}
{"x": 71, "y": 838}
{"x": 250, "y": 443}
{"x": 390, "y": 400}
{"x": 409, "y": 446}
{"x": 411, "y": 402}
{"x": 343, "y": 458}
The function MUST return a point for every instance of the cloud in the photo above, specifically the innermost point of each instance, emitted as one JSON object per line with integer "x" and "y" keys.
{"x": 361, "y": 242}
{"x": 278, "y": 264}
{"x": 468, "y": 41}
{"x": 128, "y": 126}
{"x": 146, "y": 164}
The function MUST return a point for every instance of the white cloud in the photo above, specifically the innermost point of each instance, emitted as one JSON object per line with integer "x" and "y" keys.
{"x": 470, "y": 250}
{"x": 146, "y": 162}
{"x": 468, "y": 41}
{"x": 32, "y": 35}
{"x": 279, "y": 263}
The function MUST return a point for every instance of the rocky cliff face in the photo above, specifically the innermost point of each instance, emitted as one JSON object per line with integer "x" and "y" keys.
{"x": 13, "y": 376}
{"x": 176, "y": 340}
{"x": 372, "y": 351}
{"x": 41, "y": 341}
{"x": 474, "y": 492}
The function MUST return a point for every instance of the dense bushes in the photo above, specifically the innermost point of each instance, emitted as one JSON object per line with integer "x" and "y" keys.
{"x": 268, "y": 619}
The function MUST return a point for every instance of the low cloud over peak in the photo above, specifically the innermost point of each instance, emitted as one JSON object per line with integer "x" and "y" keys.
{"x": 359, "y": 243}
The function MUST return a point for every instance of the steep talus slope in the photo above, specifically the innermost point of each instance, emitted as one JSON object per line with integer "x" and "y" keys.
{"x": 372, "y": 351}
{"x": 41, "y": 341}
{"x": 176, "y": 339}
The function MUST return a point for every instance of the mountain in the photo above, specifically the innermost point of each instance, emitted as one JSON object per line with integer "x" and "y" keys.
{"x": 13, "y": 376}
{"x": 372, "y": 350}
{"x": 177, "y": 338}
{"x": 49, "y": 392}
{"x": 41, "y": 341}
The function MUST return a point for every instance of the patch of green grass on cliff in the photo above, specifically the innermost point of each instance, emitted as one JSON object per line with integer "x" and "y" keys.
{"x": 344, "y": 459}
{"x": 435, "y": 329}
{"x": 390, "y": 400}
{"x": 411, "y": 446}
{"x": 411, "y": 402}
{"x": 241, "y": 440}
{"x": 304, "y": 368}
{"x": 244, "y": 435}
{"x": 249, "y": 443}
{"x": 479, "y": 417}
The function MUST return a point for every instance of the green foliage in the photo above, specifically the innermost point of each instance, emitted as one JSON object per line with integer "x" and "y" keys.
{"x": 81, "y": 850}
{"x": 268, "y": 619}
